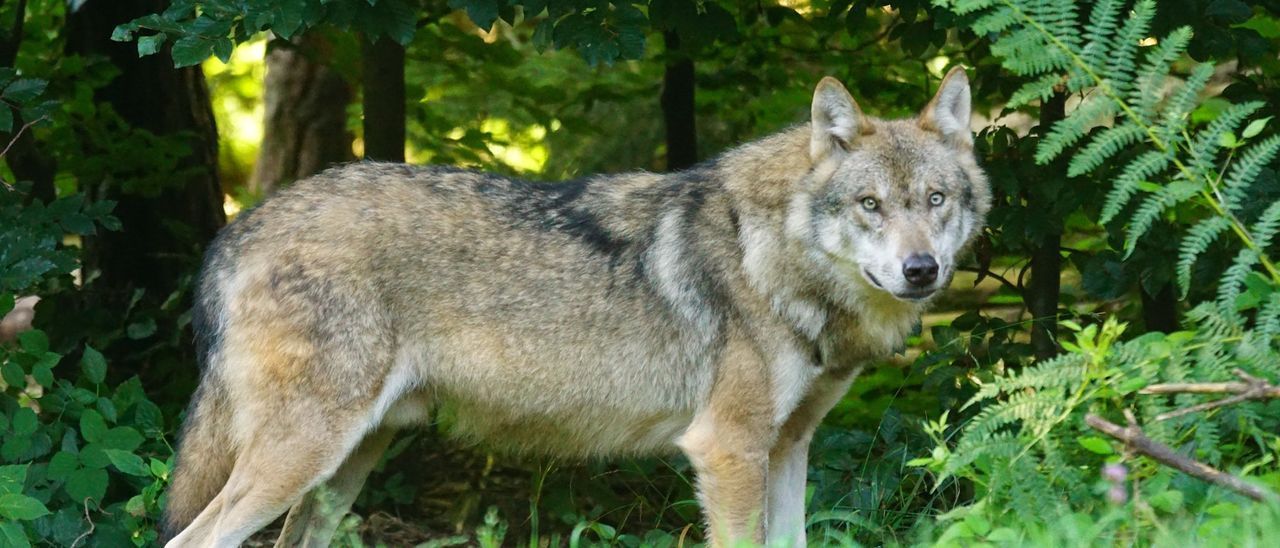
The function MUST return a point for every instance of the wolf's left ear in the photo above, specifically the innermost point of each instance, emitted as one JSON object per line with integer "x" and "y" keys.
{"x": 836, "y": 120}
{"x": 948, "y": 112}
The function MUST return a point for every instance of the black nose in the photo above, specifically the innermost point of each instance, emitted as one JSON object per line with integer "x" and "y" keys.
{"x": 920, "y": 269}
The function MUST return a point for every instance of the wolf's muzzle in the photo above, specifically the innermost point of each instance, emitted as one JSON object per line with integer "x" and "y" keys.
{"x": 920, "y": 269}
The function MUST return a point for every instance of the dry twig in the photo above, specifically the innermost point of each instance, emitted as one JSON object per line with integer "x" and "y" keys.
{"x": 1135, "y": 439}
{"x": 1252, "y": 388}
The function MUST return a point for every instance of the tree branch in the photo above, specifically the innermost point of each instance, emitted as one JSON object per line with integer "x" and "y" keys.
{"x": 1135, "y": 439}
{"x": 1252, "y": 388}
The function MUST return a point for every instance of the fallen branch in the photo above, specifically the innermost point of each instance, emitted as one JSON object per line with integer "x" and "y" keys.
{"x": 1135, "y": 439}
{"x": 1252, "y": 388}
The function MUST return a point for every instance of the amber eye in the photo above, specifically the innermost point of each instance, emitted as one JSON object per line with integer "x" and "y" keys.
{"x": 870, "y": 204}
{"x": 936, "y": 199}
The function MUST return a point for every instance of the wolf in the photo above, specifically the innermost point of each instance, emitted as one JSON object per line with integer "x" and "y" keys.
{"x": 719, "y": 311}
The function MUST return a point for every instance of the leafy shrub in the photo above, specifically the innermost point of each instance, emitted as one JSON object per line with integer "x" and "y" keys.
{"x": 1028, "y": 451}
{"x": 81, "y": 459}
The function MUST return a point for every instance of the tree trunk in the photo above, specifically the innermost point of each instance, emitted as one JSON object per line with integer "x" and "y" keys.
{"x": 163, "y": 235}
{"x": 305, "y": 126}
{"x": 383, "y": 101}
{"x": 678, "y": 105}
{"x": 1041, "y": 294}
{"x": 1160, "y": 311}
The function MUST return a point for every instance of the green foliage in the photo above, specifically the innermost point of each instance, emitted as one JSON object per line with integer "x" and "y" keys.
{"x": 1027, "y": 449}
{"x": 79, "y": 458}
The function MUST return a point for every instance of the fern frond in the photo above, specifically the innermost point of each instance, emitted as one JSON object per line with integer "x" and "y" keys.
{"x": 1168, "y": 196}
{"x": 998, "y": 20}
{"x": 1197, "y": 241}
{"x": 1104, "y": 145}
{"x": 1246, "y": 170}
{"x": 1155, "y": 71}
{"x": 1028, "y": 53}
{"x": 1126, "y": 185}
{"x": 965, "y": 7}
{"x": 1268, "y": 323}
{"x": 1103, "y": 22}
{"x": 1182, "y": 101}
{"x": 1073, "y": 128}
{"x": 1041, "y": 88}
{"x": 1232, "y": 282}
{"x": 1061, "y": 370}
{"x": 1264, "y": 230}
{"x": 1122, "y": 48}
{"x": 1208, "y": 141}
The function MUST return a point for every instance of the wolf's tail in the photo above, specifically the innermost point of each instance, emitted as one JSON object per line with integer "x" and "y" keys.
{"x": 204, "y": 459}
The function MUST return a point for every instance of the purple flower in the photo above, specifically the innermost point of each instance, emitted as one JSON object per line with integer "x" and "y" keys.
{"x": 1115, "y": 472}
{"x": 1117, "y": 494}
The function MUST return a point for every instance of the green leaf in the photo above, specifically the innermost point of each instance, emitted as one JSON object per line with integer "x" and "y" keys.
{"x": 6, "y": 118}
{"x": 13, "y": 374}
{"x": 62, "y": 465}
{"x": 1166, "y": 501}
{"x": 12, "y": 478}
{"x": 94, "y": 456}
{"x": 1096, "y": 445}
{"x": 78, "y": 223}
{"x": 128, "y": 462}
{"x": 87, "y": 483}
{"x": 25, "y": 422}
{"x": 148, "y": 45}
{"x": 1255, "y": 127}
{"x": 17, "y": 506}
{"x": 191, "y": 50}
{"x": 24, "y": 90}
{"x": 159, "y": 469}
{"x": 141, "y": 329}
{"x": 93, "y": 365}
{"x": 92, "y": 427}
{"x": 122, "y": 437}
{"x": 12, "y": 535}
{"x": 34, "y": 341}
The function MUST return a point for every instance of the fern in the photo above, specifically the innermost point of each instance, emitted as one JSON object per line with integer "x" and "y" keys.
{"x": 1155, "y": 204}
{"x": 1246, "y": 170}
{"x": 1143, "y": 167}
{"x": 1027, "y": 421}
{"x": 1197, "y": 241}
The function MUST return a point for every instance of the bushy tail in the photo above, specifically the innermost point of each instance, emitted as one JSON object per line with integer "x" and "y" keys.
{"x": 204, "y": 459}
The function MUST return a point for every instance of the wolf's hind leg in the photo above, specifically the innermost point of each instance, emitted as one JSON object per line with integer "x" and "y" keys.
{"x": 314, "y": 519}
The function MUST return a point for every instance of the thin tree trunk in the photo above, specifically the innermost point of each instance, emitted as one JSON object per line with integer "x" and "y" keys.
{"x": 678, "y": 88}
{"x": 305, "y": 124}
{"x": 1160, "y": 311}
{"x": 383, "y": 99}
{"x": 163, "y": 235}
{"x": 1041, "y": 294}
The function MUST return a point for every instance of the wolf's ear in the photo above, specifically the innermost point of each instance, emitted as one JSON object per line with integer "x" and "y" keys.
{"x": 948, "y": 112}
{"x": 837, "y": 120}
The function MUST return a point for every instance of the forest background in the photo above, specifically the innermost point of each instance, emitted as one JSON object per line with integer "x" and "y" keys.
{"x": 1128, "y": 254}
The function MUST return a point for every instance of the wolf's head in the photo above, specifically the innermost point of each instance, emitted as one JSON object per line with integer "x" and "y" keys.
{"x": 890, "y": 205}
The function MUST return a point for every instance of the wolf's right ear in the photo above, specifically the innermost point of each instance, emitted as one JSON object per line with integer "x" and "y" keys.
{"x": 836, "y": 121}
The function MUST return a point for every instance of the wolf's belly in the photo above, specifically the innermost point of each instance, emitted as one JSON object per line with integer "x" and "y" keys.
{"x": 559, "y": 396}
{"x": 589, "y": 433}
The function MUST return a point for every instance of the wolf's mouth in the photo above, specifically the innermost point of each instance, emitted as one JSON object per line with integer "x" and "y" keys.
{"x": 916, "y": 295}
{"x": 872, "y": 278}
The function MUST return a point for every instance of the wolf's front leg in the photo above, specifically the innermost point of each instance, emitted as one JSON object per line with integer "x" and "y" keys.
{"x": 728, "y": 444}
{"x": 789, "y": 458}
{"x": 732, "y": 470}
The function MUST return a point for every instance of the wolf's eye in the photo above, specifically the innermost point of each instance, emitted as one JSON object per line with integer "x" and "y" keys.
{"x": 936, "y": 199}
{"x": 870, "y": 204}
